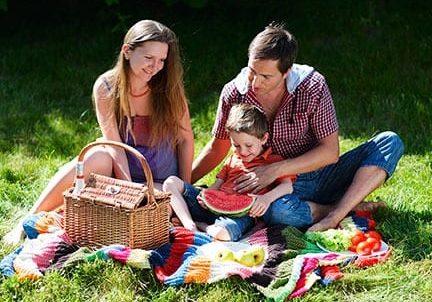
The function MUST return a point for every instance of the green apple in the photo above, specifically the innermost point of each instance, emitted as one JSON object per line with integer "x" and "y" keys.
{"x": 225, "y": 255}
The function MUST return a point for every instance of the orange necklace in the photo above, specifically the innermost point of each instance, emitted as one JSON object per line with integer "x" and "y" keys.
{"x": 141, "y": 94}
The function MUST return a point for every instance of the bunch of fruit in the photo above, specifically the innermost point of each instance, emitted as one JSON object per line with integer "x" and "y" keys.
{"x": 252, "y": 256}
{"x": 365, "y": 243}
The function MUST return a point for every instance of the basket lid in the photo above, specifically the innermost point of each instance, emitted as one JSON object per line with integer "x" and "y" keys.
{"x": 114, "y": 192}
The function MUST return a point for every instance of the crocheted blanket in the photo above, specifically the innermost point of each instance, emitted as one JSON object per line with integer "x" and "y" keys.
{"x": 279, "y": 260}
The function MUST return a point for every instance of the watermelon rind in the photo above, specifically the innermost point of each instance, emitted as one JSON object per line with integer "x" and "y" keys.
{"x": 229, "y": 213}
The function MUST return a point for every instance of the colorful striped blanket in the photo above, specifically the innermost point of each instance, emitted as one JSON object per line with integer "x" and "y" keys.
{"x": 278, "y": 260}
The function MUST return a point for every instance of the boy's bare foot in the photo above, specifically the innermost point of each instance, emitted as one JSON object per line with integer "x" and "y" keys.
{"x": 370, "y": 206}
{"x": 218, "y": 232}
{"x": 14, "y": 236}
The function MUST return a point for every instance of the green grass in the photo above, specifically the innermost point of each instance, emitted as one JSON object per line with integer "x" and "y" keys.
{"x": 374, "y": 54}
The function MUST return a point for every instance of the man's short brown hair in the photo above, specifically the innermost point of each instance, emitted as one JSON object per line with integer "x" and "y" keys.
{"x": 274, "y": 43}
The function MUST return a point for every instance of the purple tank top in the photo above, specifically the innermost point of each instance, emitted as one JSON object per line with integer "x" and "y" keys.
{"x": 161, "y": 158}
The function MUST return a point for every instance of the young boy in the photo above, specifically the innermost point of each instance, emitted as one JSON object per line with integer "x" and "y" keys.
{"x": 247, "y": 127}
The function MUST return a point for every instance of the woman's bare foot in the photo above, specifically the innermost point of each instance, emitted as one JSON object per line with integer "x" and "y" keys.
{"x": 176, "y": 222}
{"x": 201, "y": 226}
{"x": 14, "y": 236}
{"x": 190, "y": 225}
{"x": 369, "y": 206}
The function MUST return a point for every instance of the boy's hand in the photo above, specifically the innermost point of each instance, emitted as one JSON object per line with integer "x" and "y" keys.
{"x": 259, "y": 207}
{"x": 201, "y": 202}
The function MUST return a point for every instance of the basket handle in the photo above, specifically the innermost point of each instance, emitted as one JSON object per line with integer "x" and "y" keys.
{"x": 79, "y": 176}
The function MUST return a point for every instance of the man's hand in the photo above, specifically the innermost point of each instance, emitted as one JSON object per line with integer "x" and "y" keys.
{"x": 256, "y": 179}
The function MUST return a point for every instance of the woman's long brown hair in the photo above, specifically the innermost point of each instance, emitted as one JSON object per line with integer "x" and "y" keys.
{"x": 168, "y": 99}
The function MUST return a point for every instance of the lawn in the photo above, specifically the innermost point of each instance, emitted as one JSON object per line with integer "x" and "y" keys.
{"x": 376, "y": 56}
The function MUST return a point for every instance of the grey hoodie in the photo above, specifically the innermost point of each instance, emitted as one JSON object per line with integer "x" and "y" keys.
{"x": 296, "y": 75}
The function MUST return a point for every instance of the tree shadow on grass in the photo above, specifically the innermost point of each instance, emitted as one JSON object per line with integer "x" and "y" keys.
{"x": 379, "y": 81}
{"x": 361, "y": 56}
{"x": 46, "y": 87}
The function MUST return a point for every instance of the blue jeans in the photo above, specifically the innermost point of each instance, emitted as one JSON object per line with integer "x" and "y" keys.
{"x": 329, "y": 184}
{"x": 236, "y": 227}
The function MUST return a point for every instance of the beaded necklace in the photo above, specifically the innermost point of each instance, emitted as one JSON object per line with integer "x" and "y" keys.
{"x": 141, "y": 94}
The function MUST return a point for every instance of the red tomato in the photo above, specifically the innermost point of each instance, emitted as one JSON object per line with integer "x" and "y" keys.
{"x": 373, "y": 234}
{"x": 357, "y": 238}
{"x": 363, "y": 248}
{"x": 361, "y": 213}
{"x": 353, "y": 248}
{"x": 374, "y": 244}
{"x": 371, "y": 224}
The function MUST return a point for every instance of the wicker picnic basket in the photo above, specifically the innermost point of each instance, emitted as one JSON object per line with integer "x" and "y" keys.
{"x": 108, "y": 211}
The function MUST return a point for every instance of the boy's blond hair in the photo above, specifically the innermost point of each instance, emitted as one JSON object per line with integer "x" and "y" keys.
{"x": 247, "y": 118}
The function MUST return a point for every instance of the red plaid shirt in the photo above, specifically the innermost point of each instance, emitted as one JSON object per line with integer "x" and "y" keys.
{"x": 305, "y": 116}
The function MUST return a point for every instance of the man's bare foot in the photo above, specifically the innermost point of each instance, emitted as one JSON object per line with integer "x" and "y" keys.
{"x": 369, "y": 206}
{"x": 323, "y": 225}
{"x": 14, "y": 236}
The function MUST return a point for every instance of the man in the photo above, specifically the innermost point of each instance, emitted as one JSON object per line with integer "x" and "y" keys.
{"x": 304, "y": 130}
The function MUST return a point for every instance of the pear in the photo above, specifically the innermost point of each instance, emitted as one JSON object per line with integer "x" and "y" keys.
{"x": 245, "y": 257}
{"x": 252, "y": 256}
{"x": 259, "y": 254}
{"x": 225, "y": 255}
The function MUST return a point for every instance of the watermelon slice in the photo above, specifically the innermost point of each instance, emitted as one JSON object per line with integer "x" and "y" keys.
{"x": 224, "y": 204}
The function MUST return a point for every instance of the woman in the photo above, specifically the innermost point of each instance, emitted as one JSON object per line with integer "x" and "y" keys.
{"x": 141, "y": 102}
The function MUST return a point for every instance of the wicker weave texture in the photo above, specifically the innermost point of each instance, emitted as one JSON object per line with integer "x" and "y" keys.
{"x": 114, "y": 192}
{"x": 111, "y": 211}
{"x": 93, "y": 225}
